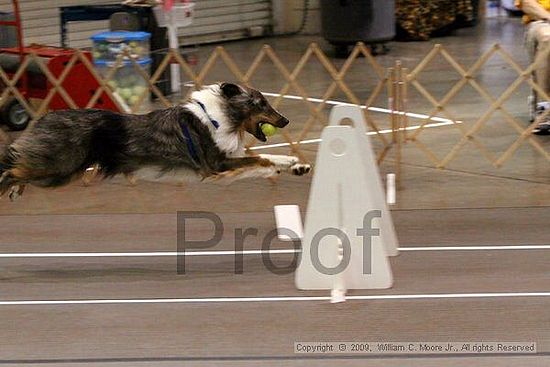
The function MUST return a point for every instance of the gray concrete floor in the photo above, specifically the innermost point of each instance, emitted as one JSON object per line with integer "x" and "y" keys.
{"x": 469, "y": 204}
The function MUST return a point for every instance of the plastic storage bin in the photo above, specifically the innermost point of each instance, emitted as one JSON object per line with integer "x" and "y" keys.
{"x": 108, "y": 45}
{"x": 127, "y": 83}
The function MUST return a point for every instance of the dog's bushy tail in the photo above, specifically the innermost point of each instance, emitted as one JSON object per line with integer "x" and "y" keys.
{"x": 6, "y": 179}
{"x": 5, "y": 182}
{"x": 6, "y": 161}
{"x": 4, "y": 144}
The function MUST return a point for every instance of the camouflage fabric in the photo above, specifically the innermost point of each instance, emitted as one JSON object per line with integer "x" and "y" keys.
{"x": 420, "y": 18}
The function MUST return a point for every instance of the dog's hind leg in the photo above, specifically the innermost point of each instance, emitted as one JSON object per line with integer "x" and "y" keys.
{"x": 16, "y": 192}
{"x": 7, "y": 181}
{"x": 13, "y": 181}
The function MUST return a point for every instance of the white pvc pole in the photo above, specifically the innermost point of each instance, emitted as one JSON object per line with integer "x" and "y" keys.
{"x": 390, "y": 188}
{"x": 173, "y": 44}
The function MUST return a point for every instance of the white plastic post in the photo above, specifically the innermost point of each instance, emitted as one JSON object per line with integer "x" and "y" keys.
{"x": 346, "y": 187}
{"x": 390, "y": 188}
{"x": 173, "y": 43}
{"x": 287, "y": 217}
{"x": 179, "y": 15}
{"x": 355, "y": 114}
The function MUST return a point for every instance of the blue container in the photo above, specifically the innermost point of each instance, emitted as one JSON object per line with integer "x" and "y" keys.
{"x": 108, "y": 45}
{"x": 127, "y": 83}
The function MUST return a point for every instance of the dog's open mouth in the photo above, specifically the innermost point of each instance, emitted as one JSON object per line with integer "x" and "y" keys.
{"x": 259, "y": 134}
{"x": 265, "y": 128}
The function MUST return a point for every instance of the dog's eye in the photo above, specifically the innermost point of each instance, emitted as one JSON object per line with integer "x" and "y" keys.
{"x": 256, "y": 103}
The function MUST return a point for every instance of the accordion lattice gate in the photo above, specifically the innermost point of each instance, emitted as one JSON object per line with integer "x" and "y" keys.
{"x": 395, "y": 82}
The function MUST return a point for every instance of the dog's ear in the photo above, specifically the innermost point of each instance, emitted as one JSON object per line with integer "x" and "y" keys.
{"x": 230, "y": 90}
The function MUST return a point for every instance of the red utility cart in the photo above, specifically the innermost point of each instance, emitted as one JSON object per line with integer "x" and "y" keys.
{"x": 80, "y": 84}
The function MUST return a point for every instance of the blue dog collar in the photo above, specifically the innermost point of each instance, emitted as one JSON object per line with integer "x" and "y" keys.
{"x": 214, "y": 122}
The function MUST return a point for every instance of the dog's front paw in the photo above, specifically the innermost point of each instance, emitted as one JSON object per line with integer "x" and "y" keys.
{"x": 240, "y": 173}
{"x": 300, "y": 169}
{"x": 280, "y": 161}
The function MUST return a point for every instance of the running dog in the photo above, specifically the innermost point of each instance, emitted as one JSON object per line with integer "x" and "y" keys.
{"x": 203, "y": 138}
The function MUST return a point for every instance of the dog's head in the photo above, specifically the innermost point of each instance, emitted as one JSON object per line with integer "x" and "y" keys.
{"x": 248, "y": 109}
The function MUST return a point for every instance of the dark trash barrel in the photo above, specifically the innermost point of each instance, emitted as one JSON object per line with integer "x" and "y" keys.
{"x": 345, "y": 22}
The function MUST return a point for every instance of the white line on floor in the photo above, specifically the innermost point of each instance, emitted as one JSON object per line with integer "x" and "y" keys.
{"x": 341, "y": 103}
{"x": 476, "y": 248}
{"x": 271, "y": 299}
{"x": 318, "y": 140}
{"x": 442, "y": 121}
{"x": 256, "y": 252}
{"x": 375, "y": 109}
{"x": 147, "y": 254}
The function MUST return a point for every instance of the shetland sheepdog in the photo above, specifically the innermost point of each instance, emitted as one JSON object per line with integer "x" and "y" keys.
{"x": 202, "y": 138}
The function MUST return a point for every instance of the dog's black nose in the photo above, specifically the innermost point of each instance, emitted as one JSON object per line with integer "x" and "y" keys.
{"x": 283, "y": 121}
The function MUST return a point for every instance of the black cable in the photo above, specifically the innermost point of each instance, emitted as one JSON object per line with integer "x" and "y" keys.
{"x": 304, "y": 18}
{"x": 303, "y": 23}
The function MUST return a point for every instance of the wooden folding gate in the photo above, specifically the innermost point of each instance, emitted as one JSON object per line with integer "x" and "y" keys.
{"x": 397, "y": 82}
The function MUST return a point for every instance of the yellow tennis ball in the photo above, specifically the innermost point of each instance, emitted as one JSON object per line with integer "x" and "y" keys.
{"x": 268, "y": 129}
